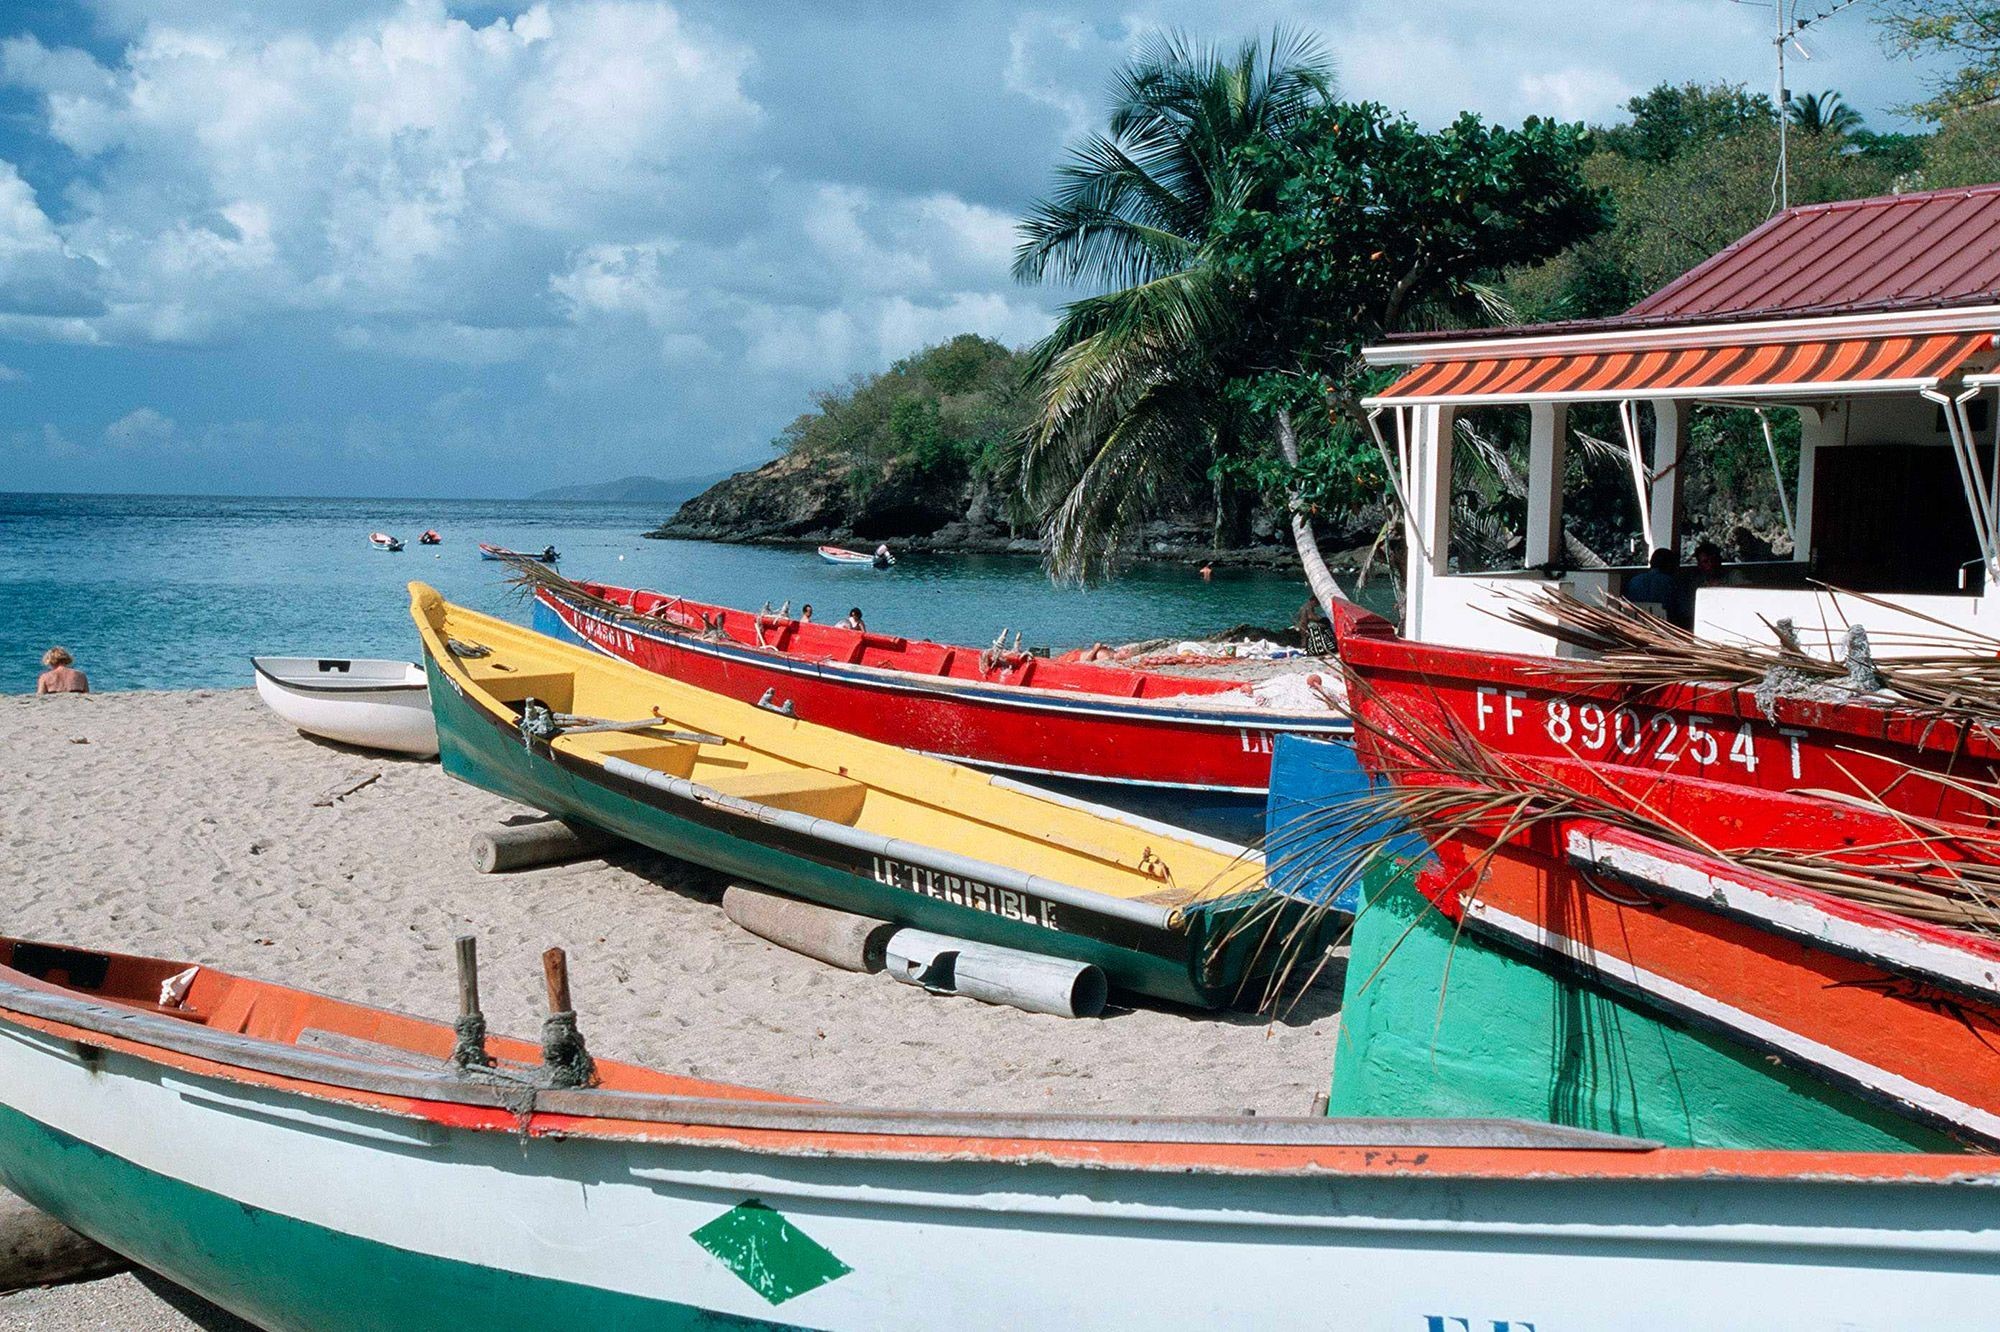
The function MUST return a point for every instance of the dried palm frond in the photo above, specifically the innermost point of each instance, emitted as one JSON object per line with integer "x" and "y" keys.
{"x": 1953, "y": 674}
{"x": 1439, "y": 784}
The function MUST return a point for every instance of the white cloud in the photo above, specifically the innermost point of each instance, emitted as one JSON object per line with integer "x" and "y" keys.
{"x": 9, "y": 375}
{"x": 140, "y": 428}
{"x": 401, "y": 167}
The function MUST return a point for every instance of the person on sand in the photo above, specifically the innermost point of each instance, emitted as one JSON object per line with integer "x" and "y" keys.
{"x": 61, "y": 677}
{"x": 854, "y": 621}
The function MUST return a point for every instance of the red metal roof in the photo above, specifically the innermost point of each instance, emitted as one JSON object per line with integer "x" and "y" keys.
{"x": 1721, "y": 368}
{"x": 1897, "y": 251}
{"x": 1934, "y": 250}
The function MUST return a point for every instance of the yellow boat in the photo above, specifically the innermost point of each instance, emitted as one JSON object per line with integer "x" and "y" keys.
{"x": 851, "y": 823}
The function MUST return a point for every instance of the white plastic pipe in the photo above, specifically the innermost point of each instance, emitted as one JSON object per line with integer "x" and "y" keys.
{"x": 995, "y": 975}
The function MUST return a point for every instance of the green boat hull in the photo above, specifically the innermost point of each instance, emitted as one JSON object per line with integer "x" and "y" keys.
{"x": 1453, "y": 1025}
{"x": 1185, "y": 966}
{"x": 291, "y": 1276}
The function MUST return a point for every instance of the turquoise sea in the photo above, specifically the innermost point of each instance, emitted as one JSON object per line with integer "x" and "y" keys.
{"x": 178, "y": 592}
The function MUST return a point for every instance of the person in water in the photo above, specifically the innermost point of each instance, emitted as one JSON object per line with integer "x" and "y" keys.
{"x": 806, "y": 614}
{"x": 1207, "y": 572}
{"x": 62, "y": 676}
{"x": 853, "y": 620}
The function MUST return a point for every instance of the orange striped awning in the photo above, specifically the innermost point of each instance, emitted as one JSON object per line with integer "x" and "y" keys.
{"x": 1722, "y": 370}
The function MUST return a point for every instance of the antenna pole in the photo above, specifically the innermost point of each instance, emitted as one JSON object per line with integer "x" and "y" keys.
{"x": 1784, "y": 112}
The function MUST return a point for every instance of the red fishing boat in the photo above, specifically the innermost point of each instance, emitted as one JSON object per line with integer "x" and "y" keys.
{"x": 1194, "y": 751}
{"x": 1545, "y": 707}
{"x": 1849, "y": 941}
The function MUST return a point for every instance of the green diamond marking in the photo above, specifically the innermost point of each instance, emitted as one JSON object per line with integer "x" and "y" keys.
{"x": 768, "y": 1253}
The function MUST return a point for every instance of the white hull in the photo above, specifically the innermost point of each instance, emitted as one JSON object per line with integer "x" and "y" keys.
{"x": 1012, "y": 1240}
{"x": 373, "y": 704}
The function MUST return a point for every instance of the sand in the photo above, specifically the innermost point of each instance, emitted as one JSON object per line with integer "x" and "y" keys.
{"x": 185, "y": 825}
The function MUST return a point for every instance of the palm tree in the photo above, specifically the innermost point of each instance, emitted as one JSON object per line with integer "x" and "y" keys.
{"x": 1133, "y": 407}
{"x": 1823, "y": 113}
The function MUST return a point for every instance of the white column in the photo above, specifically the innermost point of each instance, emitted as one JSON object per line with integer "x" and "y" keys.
{"x": 1427, "y": 527}
{"x": 1816, "y": 428}
{"x": 1670, "y": 433}
{"x": 1548, "y": 446}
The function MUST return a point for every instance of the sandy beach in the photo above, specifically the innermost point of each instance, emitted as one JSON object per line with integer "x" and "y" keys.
{"x": 188, "y": 825}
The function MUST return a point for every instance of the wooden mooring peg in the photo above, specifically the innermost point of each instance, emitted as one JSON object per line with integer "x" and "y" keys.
{"x": 555, "y": 971}
{"x": 563, "y": 1054}
{"x": 469, "y": 1051}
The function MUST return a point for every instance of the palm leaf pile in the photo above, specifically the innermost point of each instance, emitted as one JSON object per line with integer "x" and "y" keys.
{"x": 1952, "y": 674}
{"x": 1439, "y": 784}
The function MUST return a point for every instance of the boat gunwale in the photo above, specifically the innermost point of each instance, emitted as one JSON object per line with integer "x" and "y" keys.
{"x": 297, "y": 686}
{"x": 1270, "y": 1146}
{"x": 1372, "y": 648}
{"x": 1170, "y": 920}
{"x": 1028, "y": 696}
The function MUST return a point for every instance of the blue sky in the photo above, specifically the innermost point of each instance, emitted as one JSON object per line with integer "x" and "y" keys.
{"x": 412, "y": 248}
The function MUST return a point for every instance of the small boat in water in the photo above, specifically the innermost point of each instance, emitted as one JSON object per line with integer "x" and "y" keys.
{"x": 383, "y": 541}
{"x": 245, "y": 1138}
{"x": 1192, "y": 750}
{"x": 547, "y": 554}
{"x": 373, "y": 704}
{"x": 748, "y": 789}
{"x": 430, "y": 538}
{"x": 854, "y": 558}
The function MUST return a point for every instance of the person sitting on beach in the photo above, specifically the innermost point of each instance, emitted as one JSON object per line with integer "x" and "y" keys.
{"x": 61, "y": 677}
{"x": 853, "y": 620}
{"x": 806, "y": 614}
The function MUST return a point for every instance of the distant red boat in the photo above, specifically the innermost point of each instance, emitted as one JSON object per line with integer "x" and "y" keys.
{"x": 1539, "y": 707}
{"x": 1193, "y": 751}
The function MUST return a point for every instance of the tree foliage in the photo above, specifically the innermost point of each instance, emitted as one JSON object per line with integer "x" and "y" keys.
{"x": 948, "y": 411}
{"x": 1133, "y": 385}
{"x": 1964, "y": 30}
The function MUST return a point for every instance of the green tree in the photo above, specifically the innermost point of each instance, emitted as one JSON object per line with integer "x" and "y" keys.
{"x": 1823, "y": 113}
{"x": 1132, "y": 385}
{"x": 1673, "y": 119}
{"x": 1964, "y": 151}
{"x": 1964, "y": 30}
{"x": 1258, "y": 233}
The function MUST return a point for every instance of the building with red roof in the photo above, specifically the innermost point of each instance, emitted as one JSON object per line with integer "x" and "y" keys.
{"x": 1873, "y": 320}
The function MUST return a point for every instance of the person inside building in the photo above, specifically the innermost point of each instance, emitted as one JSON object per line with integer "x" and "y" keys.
{"x": 1710, "y": 571}
{"x": 1658, "y": 585}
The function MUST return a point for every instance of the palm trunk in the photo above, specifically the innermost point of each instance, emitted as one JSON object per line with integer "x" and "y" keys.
{"x": 1318, "y": 577}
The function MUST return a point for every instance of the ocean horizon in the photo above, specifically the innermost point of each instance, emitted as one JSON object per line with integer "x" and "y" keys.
{"x": 178, "y": 591}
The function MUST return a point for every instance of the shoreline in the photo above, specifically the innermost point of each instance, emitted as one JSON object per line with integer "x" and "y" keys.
{"x": 1275, "y": 557}
{"x": 183, "y": 824}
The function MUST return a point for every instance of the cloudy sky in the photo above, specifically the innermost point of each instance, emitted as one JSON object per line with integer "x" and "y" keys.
{"x": 417, "y": 248}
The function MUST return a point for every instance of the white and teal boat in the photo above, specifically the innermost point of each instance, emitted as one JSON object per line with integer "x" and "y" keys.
{"x": 311, "y": 1164}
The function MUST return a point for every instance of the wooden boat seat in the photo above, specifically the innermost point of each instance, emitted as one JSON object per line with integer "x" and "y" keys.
{"x": 801, "y": 790}
{"x": 661, "y": 755}
{"x": 556, "y": 689}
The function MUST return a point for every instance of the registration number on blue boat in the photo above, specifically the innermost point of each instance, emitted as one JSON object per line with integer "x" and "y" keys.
{"x": 1007, "y": 903}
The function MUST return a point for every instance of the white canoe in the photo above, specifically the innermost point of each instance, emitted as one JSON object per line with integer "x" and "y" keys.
{"x": 357, "y": 701}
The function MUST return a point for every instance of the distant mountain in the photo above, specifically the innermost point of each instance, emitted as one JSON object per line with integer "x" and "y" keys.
{"x": 633, "y": 490}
